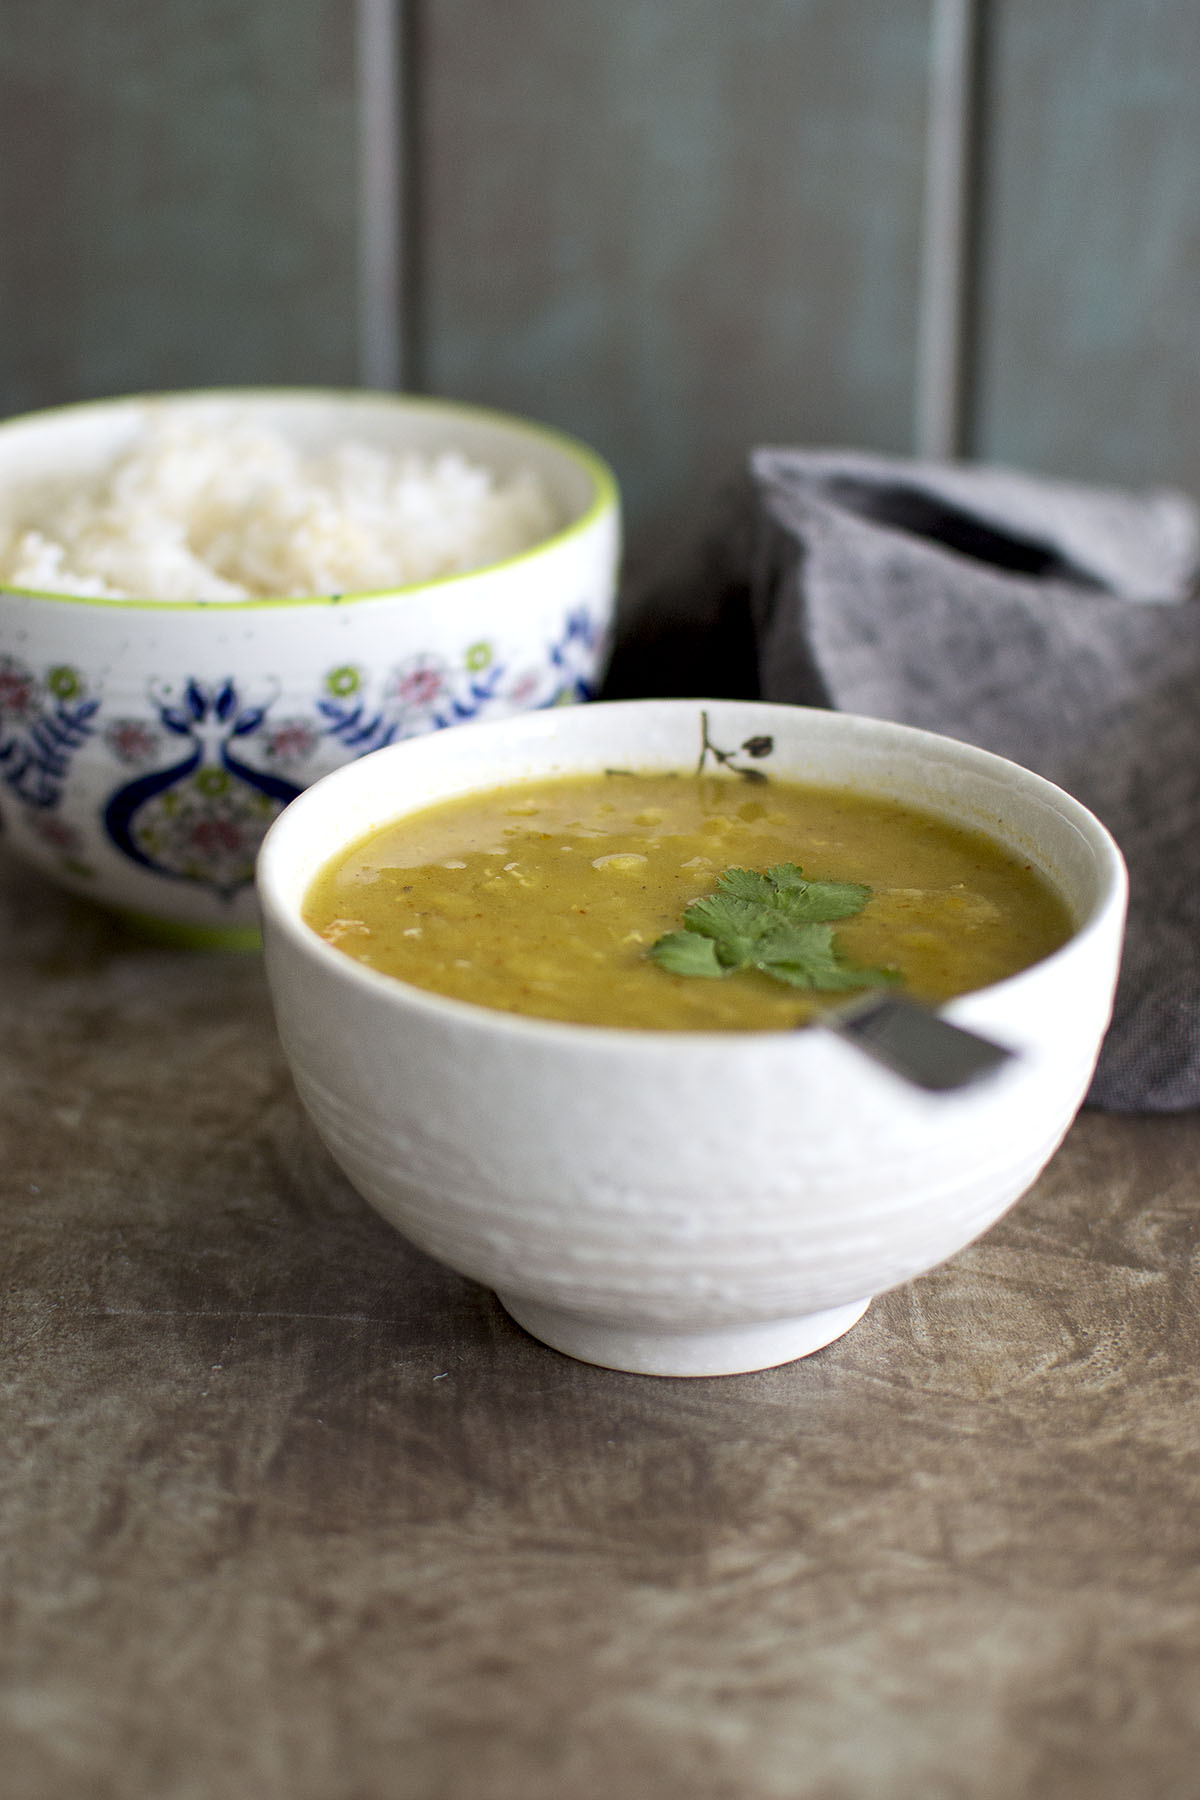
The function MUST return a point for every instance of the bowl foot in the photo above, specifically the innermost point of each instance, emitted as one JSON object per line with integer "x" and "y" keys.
{"x": 733, "y": 1350}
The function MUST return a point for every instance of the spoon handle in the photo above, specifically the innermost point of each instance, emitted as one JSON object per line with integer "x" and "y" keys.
{"x": 918, "y": 1044}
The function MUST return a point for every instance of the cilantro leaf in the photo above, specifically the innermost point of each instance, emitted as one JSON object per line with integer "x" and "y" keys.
{"x": 777, "y": 922}
{"x": 820, "y": 901}
{"x": 747, "y": 884}
{"x": 687, "y": 953}
{"x": 807, "y": 956}
{"x": 785, "y": 888}
{"x": 734, "y": 926}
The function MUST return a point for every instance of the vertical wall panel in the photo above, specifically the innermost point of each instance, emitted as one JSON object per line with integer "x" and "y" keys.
{"x": 177, "y": 195}
{"x": 678, "y": 229}
{"x": 1089, "y": 324}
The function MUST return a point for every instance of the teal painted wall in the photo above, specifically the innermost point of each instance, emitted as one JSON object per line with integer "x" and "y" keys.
{"x": 177, "y": 193}
{"x": 678, "y": 229}
{"x": 1089, "y": 328}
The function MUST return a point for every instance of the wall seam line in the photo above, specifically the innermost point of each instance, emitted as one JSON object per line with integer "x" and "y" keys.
{"x": 948, "y": 231}
{"x": 381, "y": 333}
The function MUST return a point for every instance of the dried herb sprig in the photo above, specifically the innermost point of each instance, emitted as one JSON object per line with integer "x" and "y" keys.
{"x": 753, "y": 746}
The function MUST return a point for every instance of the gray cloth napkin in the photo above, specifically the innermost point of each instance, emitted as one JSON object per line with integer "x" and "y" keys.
{"x": 1050, "y": 622}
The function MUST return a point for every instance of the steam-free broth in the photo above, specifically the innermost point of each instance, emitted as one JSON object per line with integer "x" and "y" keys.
{"x": 545, "y": 897}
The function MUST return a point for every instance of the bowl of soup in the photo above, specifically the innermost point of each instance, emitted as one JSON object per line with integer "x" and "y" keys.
{"x": 555, "y": 990}
{"x": 210, "y": 600}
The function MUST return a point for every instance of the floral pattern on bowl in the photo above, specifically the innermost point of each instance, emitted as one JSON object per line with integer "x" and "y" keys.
{"x": 208, "y": 766}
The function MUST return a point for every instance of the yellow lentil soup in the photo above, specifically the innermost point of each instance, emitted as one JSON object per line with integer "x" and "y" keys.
{"x": 545, "y": 897}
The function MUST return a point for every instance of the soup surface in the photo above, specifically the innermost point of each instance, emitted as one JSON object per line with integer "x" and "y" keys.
{"x": 546, "y": 897}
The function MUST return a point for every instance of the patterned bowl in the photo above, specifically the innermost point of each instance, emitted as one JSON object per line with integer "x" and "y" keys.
{"x": 146, "y": 745}
{"x": 684, "y": 1203}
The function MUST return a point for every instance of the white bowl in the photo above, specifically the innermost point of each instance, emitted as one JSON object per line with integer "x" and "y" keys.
{"x": 684, "y": 1203}
{"x": 145, "y": 745}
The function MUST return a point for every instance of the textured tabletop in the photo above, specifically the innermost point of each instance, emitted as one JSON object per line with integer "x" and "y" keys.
{"x": 289, "y": 1512}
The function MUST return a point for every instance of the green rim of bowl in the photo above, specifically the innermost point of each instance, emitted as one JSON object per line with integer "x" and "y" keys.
{"x": 181, "y": 936}
{"x": 605, "y": 499}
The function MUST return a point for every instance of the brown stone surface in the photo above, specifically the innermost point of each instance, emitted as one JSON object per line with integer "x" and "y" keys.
{"x": 287, "y": 1511}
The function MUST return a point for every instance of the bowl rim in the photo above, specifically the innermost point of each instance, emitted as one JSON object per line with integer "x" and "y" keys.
{"x": 605, "y": 496}
{"x": 279, "y": 917}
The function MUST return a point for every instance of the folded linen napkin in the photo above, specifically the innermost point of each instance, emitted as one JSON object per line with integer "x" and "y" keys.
{"x": 1053, "y": 623}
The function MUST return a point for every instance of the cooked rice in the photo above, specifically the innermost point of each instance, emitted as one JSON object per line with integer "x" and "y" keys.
{"x": 203, "y": 511}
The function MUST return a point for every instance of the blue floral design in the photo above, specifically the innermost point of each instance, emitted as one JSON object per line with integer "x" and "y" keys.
{"x": 43, "y": 722}
{"x": 423, "y": 695}
{"x": 203, "y": 816}
{"x": 207, "y": 769}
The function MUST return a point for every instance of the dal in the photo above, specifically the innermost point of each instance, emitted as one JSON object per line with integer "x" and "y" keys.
{"x": 543, "y": 898}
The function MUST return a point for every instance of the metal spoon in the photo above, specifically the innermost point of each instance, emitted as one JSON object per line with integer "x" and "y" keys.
{"x": 913, "y": 1042}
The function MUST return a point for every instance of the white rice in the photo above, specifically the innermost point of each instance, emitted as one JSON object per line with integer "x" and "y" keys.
{"x": 203, "y": 511}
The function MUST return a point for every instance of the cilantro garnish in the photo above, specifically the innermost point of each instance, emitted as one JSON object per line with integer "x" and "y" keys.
{"x": 777, "y": 922}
